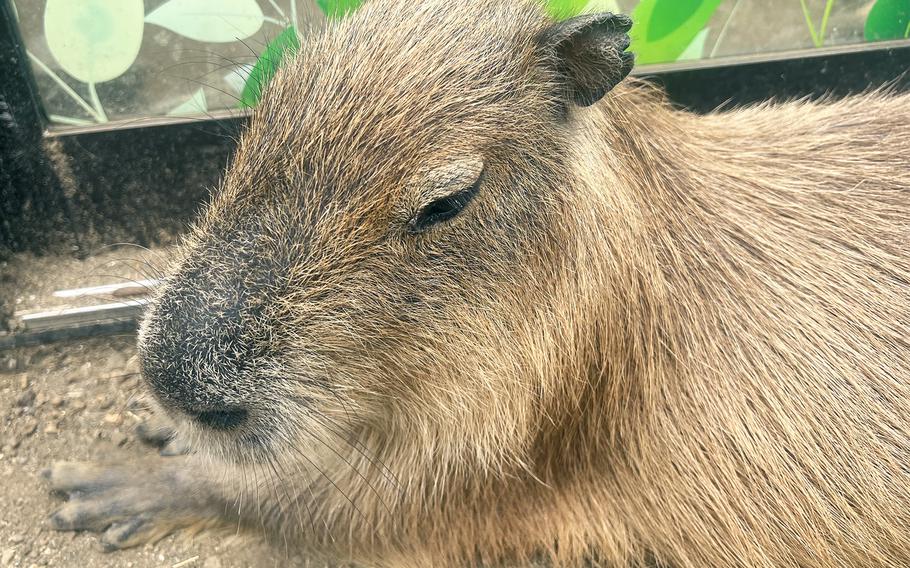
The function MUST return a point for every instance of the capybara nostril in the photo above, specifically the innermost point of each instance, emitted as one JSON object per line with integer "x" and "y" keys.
{"x": 226, "y": 418}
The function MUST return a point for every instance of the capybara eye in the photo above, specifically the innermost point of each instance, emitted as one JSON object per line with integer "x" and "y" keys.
{"x": 442, "y": 209}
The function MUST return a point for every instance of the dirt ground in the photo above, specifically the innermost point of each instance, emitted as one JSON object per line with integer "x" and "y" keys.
{"x": 72, "y": 401}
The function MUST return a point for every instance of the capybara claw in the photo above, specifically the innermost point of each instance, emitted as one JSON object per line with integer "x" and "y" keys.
{"x": 127, "y": 534}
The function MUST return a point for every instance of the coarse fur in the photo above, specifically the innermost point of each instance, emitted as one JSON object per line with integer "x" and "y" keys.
{"x": 653, "y": 338}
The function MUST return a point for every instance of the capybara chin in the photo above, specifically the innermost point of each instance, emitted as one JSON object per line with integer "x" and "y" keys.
{"x": 459, "y": 300}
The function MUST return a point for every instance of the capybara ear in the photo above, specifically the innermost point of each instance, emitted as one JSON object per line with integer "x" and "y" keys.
{"x": 590, "y": 54}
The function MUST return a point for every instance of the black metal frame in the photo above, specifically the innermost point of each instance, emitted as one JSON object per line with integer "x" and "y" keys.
{"x": 813, "y": 74}
{"x": 142, "y": 181}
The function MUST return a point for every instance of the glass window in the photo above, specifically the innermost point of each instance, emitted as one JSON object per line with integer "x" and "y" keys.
{"x": 96, "y": 61}
{"x": 103, "y": 60}
{"x": 668, "y": 31}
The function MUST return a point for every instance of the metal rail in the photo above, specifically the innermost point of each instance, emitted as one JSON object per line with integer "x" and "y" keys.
{"x": 44, "y": 326}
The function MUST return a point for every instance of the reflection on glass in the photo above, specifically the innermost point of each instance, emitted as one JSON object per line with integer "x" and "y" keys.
{"x": 100, "y": 60}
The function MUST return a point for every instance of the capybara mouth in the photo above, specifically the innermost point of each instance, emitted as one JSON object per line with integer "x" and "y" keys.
{"x": 233, "y": 434}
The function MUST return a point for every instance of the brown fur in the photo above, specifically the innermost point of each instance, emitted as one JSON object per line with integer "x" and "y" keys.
{"x": 653, "y": 337}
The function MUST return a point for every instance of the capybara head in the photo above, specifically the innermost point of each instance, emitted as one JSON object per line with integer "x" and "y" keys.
{"x": 393, "y": 249}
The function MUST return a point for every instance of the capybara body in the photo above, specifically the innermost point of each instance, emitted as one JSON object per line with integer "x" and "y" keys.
{"x": 455, "y": 305}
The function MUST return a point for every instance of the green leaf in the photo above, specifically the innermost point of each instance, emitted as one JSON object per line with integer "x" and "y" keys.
{"x": 94, "y": 40}
{"x": 665, "y": 28}
{"x": 268, "y": 63}
{"x": 696, "y": 49}
{"x": 888, "y": 19}
{"x": 215, "y": 21}
{"x": 196, "y": 104}
{"x": 336, "y": 9}
{"x": 668, "y": 15}
{"x": 564, "y": 9}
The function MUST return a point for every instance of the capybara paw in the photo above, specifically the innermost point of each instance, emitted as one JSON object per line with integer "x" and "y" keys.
{"x": 129, "y": 505}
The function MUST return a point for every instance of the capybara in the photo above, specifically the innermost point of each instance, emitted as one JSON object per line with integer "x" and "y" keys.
{"x": 467, "y": 297}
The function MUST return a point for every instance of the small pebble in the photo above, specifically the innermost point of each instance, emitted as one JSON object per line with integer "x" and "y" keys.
{"x": 11, "y": 364}
{"x": 26, "y": 398}
{"x": 6, "y": 559}
{"x": 77, "y": 405}
{"x": 212, "y": 562}
{"x": 51, "y": 428}
{"x": 104, "y": 402}
{"x": 114, "y": 418}
{"x": 16, "y": 538}
{"x": 23, "y": 381}
{"x": 116, "y": 362}
{"x": 27, "y": 426}
{"x": 118, "y": 438}
{"x": 80, "y": 374}
{"x": 38, "y": 357}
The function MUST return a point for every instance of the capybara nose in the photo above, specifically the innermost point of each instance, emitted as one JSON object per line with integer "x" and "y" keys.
{"x": 225, "y": 418}
{"x": 200, "y": 351}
